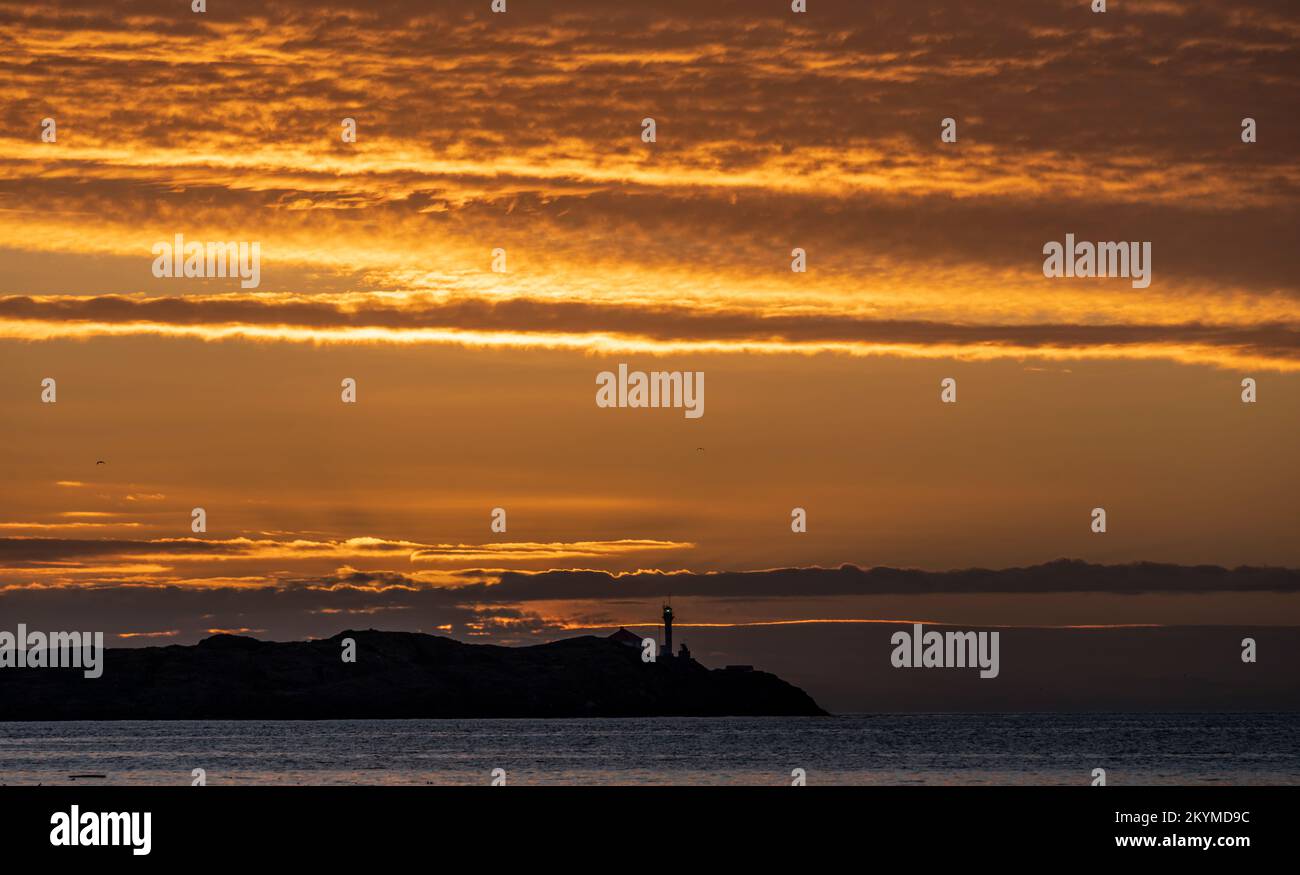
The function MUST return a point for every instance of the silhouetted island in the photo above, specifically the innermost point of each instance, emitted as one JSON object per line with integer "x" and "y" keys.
{"x": 396, "y": 675}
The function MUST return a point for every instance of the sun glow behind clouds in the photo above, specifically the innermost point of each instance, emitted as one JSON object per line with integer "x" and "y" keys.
{"x": 772, "y": 136}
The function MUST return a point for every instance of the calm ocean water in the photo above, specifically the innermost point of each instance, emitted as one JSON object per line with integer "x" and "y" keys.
{"x": 852, "y": 749}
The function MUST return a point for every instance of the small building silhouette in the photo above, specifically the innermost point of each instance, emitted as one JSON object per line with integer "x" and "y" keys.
{"x": 629, "y": 639}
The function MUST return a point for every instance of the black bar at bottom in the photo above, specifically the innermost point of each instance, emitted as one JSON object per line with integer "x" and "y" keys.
{"x": 660, "y": 827}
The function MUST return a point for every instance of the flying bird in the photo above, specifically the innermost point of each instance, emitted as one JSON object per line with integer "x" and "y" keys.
{"x": 100, "y": 462}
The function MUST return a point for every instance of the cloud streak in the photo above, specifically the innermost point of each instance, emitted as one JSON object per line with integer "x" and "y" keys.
{"x": 608, "y": 328}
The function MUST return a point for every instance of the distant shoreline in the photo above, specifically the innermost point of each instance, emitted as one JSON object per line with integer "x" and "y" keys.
{"x": 392, "y": 676}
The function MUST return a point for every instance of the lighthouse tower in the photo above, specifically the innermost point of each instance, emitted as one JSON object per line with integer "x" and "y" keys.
{"x": 668, "y": 629}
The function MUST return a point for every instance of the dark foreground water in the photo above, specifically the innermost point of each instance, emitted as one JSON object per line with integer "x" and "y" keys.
{"x": 853, "y": 749}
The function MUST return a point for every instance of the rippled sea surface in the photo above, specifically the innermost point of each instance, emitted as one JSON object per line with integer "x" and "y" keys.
{"x": 852, "y": 749}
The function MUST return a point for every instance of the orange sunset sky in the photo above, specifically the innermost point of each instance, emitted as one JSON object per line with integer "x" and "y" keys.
{"x": 523, "y": 131}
